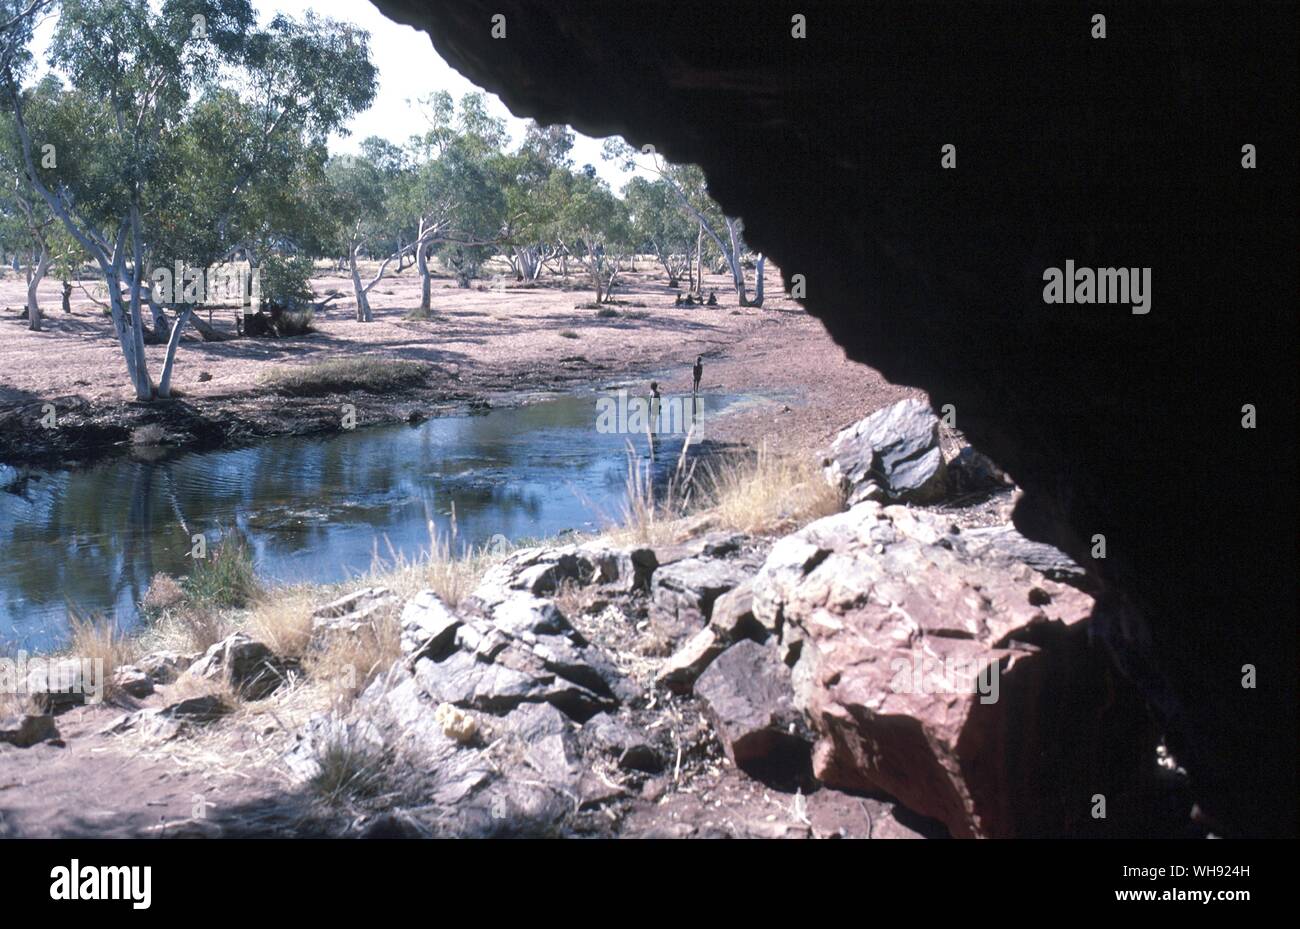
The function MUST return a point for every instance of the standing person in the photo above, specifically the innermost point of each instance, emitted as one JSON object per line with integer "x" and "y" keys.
{"x": 697, "y": 372}
{"x": 654, "y": 406}
{"x": 652, "y": 427}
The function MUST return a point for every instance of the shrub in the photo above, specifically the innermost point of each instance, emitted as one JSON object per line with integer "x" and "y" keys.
{"x": 225, "y": 578}
{"x": 286, "y": 281}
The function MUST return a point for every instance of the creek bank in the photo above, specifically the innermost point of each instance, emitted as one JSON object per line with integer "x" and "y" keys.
{"x": 831, "y": 682}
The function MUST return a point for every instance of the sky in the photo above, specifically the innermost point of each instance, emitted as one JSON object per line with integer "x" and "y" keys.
{"x": 409, "y": 68}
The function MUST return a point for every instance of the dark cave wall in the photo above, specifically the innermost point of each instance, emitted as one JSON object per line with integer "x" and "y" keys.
{"x": 1115, "y": 152}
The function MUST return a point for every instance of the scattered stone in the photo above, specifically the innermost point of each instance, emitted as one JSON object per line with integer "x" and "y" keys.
{"x": 733, "y": 615}
{"x": 621, "y": 570}
{"x": 248, "y": 666}
{"x": 680, "y": 672}
{"x": 164, "y": 667}
{"x": 170, "y": 721}
{"x": 517, "y": 615}
{"x": 202, "y": 709}
{"x": 132, "y": 681}
{"x": 28, "y": 730}
{"x": 59, "y": 685}
{"x": 633, "y": 748}
{"x": 893, "y": 454}
{"x": 684, "y": 591}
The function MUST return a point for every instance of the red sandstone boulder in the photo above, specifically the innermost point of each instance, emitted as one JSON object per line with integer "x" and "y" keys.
{"x": 967, "y": 689}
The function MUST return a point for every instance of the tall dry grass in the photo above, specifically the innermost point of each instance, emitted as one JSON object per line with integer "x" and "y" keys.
{"x": 756, "y": 493}
{"x": 765, "y": 492}
{"x": 651, "y": 514}
{"x": 448, "y": 567}
{"x": 100, "y": 641}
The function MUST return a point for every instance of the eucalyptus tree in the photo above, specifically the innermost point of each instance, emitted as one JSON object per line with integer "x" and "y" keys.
{"x": 659, "y": 222}
{"x": 593, "y": 226}
{"x": 461, "y": 159}
{"x": 148, "y": 79}
{"x": 421, "y": 203}
{"x": 530, "y": 231}
{"x": 688, "y": 185}
{"x": 359, "y": 203}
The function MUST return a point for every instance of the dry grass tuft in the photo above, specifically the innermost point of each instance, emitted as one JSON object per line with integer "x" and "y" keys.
{"x": 753, "y": 493}
{"x": 767, "y": 493}
{"x": 100, "y": 641}
{"x": 345, "y": 664}
{"x": 349, "y": 769}
{"x": 651, "y": 514}
{"x": 282, "y": 619}
{"x": 186, "y": 629}
{"x": 451, "y": 570}
{"x": 164, "y": 593}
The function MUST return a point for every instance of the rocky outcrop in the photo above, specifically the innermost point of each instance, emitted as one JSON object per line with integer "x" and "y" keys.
{"x": 1114, "y": 423}
{"x": 966, "y": 688}
{"x": 891, "y": 455}
{"x": 503, "y": 719}
{"x": 1003, "y": 545}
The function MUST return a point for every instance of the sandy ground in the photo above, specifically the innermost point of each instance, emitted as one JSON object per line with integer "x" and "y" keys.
{"x": 490, "y": 343}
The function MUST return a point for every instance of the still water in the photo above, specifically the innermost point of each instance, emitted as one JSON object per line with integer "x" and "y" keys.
{"x": 313, "y": 509}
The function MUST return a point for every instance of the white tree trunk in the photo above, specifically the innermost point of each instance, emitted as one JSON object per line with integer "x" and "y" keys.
{"x": 165, "y": 383}
{"x": 363, "y": 303}
{"x": 733, "y": 261}
{"x": 426, "y": 284}
{"x": 34, "y": 281}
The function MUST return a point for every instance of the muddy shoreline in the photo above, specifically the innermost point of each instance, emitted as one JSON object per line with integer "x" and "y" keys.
{"x": 88, "y": 431}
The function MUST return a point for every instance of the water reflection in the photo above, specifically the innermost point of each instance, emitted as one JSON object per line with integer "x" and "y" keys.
{"x": 313, "y": 509}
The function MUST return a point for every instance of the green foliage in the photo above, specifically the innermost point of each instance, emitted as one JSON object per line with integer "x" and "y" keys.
{"x": 189, "y": 115}
{"x": 286, "y": 280}
{"x": 225, "y": 578}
